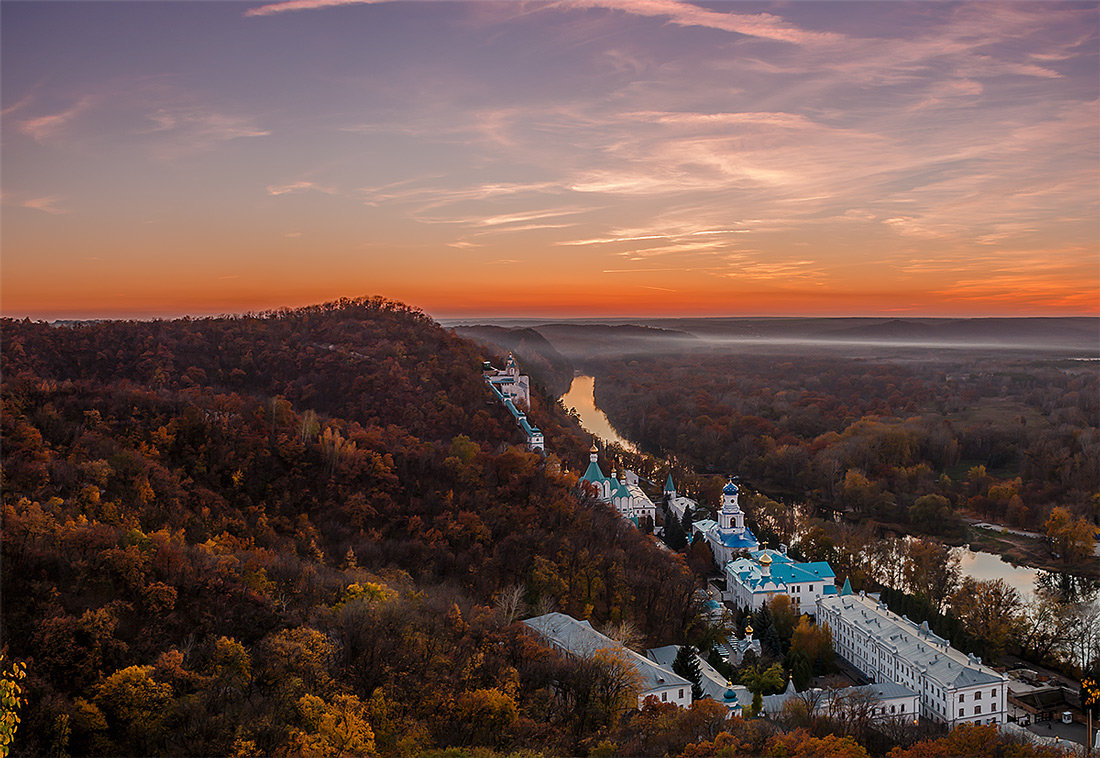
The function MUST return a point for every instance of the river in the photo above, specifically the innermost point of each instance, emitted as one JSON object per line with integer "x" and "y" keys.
{"x": 581, "y": 398}
{"x": 977, "y": 564}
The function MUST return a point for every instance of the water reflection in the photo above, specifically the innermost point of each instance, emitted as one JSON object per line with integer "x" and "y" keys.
{"x": 1069, "y": 588}
{"x": 581, "y": 397}
{"x": 1028, "y": 581}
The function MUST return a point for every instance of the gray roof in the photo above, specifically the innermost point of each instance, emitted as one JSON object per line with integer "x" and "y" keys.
{"x": 881, "y": 691}
{"x": 580, "y": 639}
{"x": 923, "y": 650}
{"x": 714, "y": 684}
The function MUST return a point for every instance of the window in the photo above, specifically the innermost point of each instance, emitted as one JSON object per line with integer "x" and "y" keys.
{"x": 962, "y": 697}
{"x": 903, "y": 707}
{"x": 977, "y": 709}
{"x": 961, "y": 711}
{"x": 664, "y": 696}
{"x": 978, "y": 695}
{"x": 993, "y": 694}
{"x": 681, "y": 693}
{"x": 891, "y": 709}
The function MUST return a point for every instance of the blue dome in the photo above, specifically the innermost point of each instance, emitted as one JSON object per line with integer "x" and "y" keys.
{"x": 729, "y": 489}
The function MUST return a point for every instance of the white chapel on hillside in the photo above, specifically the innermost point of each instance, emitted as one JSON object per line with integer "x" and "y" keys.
{"x": 625, "y": 494}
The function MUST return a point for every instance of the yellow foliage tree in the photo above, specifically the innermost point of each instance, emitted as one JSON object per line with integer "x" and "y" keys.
{"x": 1072, "y": 539}
{"x": 333, "y": 729}
{"x": 11, "y": 700}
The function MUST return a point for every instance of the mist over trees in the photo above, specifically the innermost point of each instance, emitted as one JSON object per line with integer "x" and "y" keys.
{"x": 907, "y": 442}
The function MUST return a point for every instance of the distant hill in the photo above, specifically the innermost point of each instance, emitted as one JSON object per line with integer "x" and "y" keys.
{"x": 1020, "y": 332}
{"x": 580, "y": 342}
{"x": 535, "y": 353}
{"x": 864, "y": 337}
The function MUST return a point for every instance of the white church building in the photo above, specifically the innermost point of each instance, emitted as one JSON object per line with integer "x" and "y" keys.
{"x": 624, "y": 494}
{"x": 510, "y": 383}
{"x": 513, "y": 389}
{"x": 678, "y": 504}
{"x": 764, "y": 574}
{"x": 728, "y": 536}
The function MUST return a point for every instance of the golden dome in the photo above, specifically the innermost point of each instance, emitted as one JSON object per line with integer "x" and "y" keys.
{"x": 748, "y": 632}
{"x": 765, "y": 560}
{"x": 593, "y": 449}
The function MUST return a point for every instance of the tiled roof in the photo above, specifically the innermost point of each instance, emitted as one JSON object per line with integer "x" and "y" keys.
{"x": 581, "y": 640}
{"x": 917, "y": 645}
{"x": 880, "y": 691}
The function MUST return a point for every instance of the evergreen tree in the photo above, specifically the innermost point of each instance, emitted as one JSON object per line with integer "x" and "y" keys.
{"x": 686, "y": 519}
{"x": 801, "y": 669}
{"x": 771, "y": 640}
{"x": 687, "y": 666}
{"x": 715, "y": 659}
{"x": 674, "y": 533}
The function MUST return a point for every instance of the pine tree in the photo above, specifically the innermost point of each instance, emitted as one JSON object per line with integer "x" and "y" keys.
{"x": 687, "y": 666}
{"x": 801, "y": 670}
{"x": 674, "y": 533}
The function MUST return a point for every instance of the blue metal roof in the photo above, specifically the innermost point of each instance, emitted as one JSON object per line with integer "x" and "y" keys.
{"x": 729, "y": 489}
{"x": 794, "y": 573}
{"x": 745, "y": 540}
{"x": 669, "y": 486}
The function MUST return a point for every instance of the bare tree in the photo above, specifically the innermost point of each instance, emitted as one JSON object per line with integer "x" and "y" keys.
{"x": 510, "y": 604}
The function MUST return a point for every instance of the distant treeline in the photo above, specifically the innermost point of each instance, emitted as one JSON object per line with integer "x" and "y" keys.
{"x": 903, "y": 442}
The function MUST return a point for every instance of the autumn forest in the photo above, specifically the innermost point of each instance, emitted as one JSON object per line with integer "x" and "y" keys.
{"x": 313, "y": 531}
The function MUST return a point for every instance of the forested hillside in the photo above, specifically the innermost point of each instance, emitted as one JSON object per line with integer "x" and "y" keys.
{"x": 306, "y": 532}
{"x": 915, "y": 441}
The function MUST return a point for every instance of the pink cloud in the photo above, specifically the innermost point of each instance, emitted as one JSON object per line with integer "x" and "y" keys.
{"x": 303, "y": 5}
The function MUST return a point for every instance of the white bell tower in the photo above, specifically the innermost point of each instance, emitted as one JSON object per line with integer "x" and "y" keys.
{"x": 731, "y": 519}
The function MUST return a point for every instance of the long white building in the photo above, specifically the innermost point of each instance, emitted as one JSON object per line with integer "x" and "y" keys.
{"x": 579, "y": 639}
{"x": 513, "y": 389}
{"x": 953, "y": 687}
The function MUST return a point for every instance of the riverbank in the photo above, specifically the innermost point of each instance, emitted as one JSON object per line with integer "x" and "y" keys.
{"x": 1024, "y": 550}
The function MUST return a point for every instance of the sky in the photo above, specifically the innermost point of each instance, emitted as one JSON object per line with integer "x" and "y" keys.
{"x": 557, "y": 159}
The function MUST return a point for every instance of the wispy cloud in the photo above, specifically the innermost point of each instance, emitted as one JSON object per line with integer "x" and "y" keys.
{"x": 303, "y": 5}
{"x": 762, "y": 25}
{"x": 47, "y": 204}
{"x": 184, "y": 130}
{"x": 43, "y": 128}
{"x": 299, "y": 186}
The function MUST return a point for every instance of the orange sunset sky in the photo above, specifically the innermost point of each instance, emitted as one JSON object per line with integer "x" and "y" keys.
{"x": 575, "y": 158}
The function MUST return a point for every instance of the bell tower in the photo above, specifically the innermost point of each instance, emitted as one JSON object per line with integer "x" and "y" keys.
{"x": 730, "y": 518}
